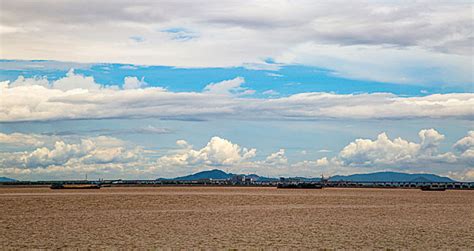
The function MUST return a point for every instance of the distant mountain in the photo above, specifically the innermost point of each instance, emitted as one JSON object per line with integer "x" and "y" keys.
{"x": 212, "y": 174}
{"x": 369, "y": 177}
{"x": 392, "y": 177}
{"x": 217, "y": 174}
{"x": 5, "y": 179}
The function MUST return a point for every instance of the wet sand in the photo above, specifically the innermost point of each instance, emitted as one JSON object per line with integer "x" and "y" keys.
{"x": 230, "y": 217}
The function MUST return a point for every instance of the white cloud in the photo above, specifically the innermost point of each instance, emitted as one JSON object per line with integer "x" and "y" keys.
{"x": 80, "y": 97}
{"x": 75, "y": 81}
{"x": 430, "y": 140}
{"x": 183, "y": 143}
{"x": 217, "y": 152}
{"x": 96, "y": 150}
{"x": 133, "y": 83}
{"x": 466, "y": 147}
{"x": 465, "y": 143}
{"x": 21, "y": 139}
{"x": 322, "y": 162}
{"x": 277, "y": 158}
{"x": 59, "y": 155}
{"x": 380, "y": 151}
{"x": 271, "y": 93}
{"x": 385, "y": 152}
{"x": 276, "y": 75}
{"x": 463, "y": 175}
{"x": 435, "y": 34}
{"x": 150, "y": 130}
{"x": 228, "y": 87}
{"x": 399, "y": 154}
{"x": 411, "y": 65}
{"x": 113, "y": 158}
{"x": 22, "y": 81}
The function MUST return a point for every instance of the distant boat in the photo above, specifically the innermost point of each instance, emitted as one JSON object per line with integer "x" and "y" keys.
{"x": 433, "y": 188}
{"x": 300, "y": 185}
{"x": 74, "y": 186}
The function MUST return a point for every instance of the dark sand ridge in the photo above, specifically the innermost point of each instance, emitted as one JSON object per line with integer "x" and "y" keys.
{"x": 231, "y": 217}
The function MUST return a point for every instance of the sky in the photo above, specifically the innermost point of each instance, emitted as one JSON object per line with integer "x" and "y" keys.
{"x": 147, "y": 89}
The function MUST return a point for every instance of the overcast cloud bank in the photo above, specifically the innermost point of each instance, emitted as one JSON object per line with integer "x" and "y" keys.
{"x": 432, "y": 37}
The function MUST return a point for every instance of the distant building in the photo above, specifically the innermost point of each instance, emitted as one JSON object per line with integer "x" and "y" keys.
{"x": 237, "y": 179}
{"x": 242, "y": 179}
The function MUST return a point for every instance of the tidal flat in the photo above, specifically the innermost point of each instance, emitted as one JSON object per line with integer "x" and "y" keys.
{"x": 235, "y": 217}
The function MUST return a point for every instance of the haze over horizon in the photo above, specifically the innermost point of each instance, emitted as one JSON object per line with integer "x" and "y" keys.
{"x": 277, "y": 88}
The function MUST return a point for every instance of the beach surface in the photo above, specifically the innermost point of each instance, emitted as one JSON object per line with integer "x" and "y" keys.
{"x": 235, "y": 217}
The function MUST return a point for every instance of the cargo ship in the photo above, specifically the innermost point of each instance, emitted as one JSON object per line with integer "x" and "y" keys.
{"x": 74, "y": 186}
{"x": 433, "y": 188}
{"x": 300, "y": 185}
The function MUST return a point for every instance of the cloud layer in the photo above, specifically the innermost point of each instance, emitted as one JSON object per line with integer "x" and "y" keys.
{"x": 59, "y": 157}
{"x": 80, "y": 97}
{"x": 66, "y": 157}
{"x": 424, "y": 34}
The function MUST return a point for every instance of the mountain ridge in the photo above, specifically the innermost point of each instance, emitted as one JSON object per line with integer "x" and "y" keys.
{"x": 386, "y": 176}
{"x": 6, "y": 179}
{"x": 208, "y": 174}
{"x": 392, "y": 177}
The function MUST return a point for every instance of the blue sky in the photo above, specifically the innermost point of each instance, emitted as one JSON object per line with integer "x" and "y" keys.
{"x": 286, "y": 79}
{"x": 296, "y": 91}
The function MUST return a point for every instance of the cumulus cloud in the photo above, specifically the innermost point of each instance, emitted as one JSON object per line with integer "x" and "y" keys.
{"x": 71, "y": 81}
{"x": 277, "y": 158}
{"x": 95, "y": 150}
{"x": 80, "y": 97}
{"x": 217, "y": 152}
{"x": 466, "y": 147}
{"x": 133, "y": 83}
{"x": 75, "y": 81}
{"x": 362, "y": 155}
{"x": 465, "y": 143}
{"x": 22, "y": 81}
{"x": 58, "y": 155}
{"x": 430, "y": 140}
{"x": 385, "y": 152}
{"x": 111, "y": 157}
{"x": 401, "y": 155}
